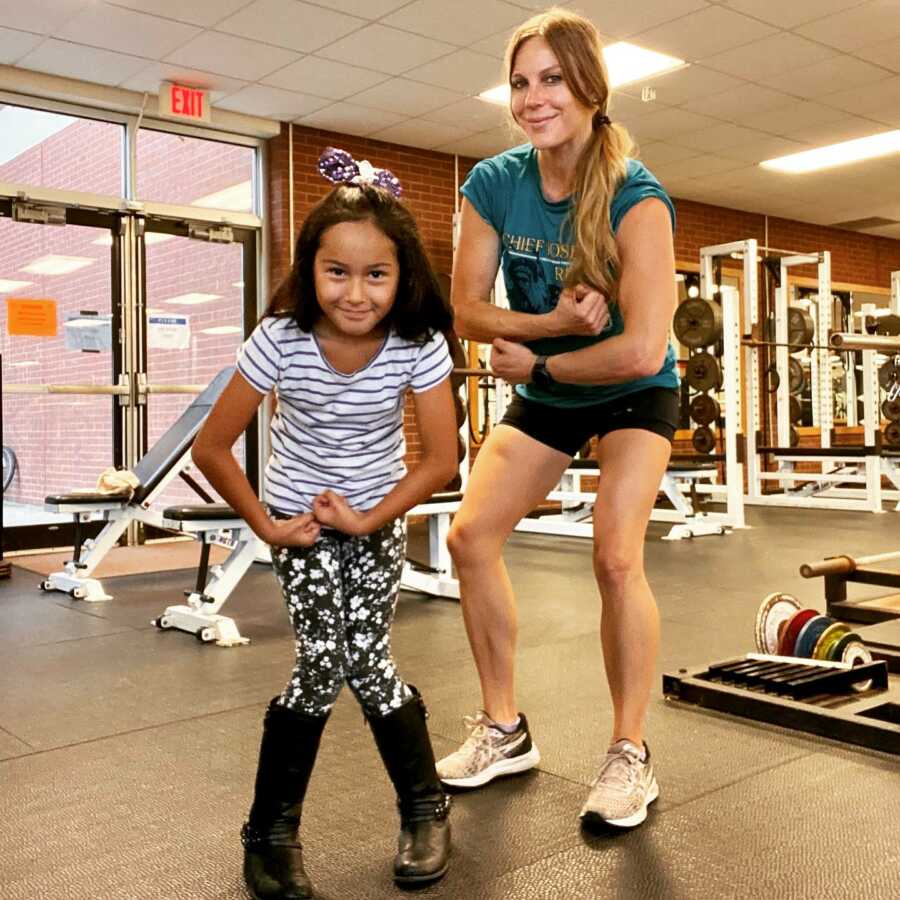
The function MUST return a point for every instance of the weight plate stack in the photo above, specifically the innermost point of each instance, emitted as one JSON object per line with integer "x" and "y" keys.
{"x": 796, "y": 376}
{"x": 828, "y": 640}
{"x": 809, "y": 635}
{"x": 800, "y": 326}
{"x": 891, "y": 434}
{"x": 890, "y": 409}
{"x": 792, "y": 629}
{"x": 771, "y": 618}
{"x": 703, "y": 439}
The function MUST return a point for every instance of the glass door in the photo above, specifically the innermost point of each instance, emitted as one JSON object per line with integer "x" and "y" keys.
{"x": 199, "y": 303}
{"x": 62, "y": 362}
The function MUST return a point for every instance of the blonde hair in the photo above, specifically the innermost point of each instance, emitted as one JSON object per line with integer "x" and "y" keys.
{"x": 603, "y": 163}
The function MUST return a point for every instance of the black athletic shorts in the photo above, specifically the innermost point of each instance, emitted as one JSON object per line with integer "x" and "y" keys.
{"x": 568, "y": 428}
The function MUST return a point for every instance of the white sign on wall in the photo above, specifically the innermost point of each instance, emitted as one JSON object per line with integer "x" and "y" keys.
{"x": 168, "y": 332}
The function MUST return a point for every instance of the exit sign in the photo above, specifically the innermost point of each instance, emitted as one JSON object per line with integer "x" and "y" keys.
{"x": 177, "y": 101}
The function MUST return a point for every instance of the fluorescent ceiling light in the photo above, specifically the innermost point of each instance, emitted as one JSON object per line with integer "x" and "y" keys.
{"x": 25, "y": 364}
{"x": 237, "y": 284}
{"x": 7, "y": 287}
{"x": 837, "y": 154}
{"x": 193, "y": 299}
{"x": 221, "y": 329}
{"x": 58, "y": 265}
{"x": 625, "y": 64}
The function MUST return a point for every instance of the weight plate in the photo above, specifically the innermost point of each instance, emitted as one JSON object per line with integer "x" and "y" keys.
{"x": 828, "y": 638}
{"x": 772, "y": 378}
{"x": 792, "y": 629}
{"x": 890, "y": 409}
{"x": 794, "y": 436}
{"x": 857, "y": 653}
{"x": 836, "y": 650}
{"x": 697, "y": 322}
{"x": 796, "y": 376}
{"x": 889, "y": 325}
{"x": 795, "y": 411}
{"x": 888, "y": 374}
{"x": 800, "y": 326}
{"x": 809, "y": 635}
{"x": 703, "y": 439}
{"x": 705, "y": 409}
{"x": 703, "y": 372}
{"x": 891, "y": 433}
{"x": 773, "y": 613}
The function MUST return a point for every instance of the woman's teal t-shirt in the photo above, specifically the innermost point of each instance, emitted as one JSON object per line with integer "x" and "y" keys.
{"x": 535, "y": 253}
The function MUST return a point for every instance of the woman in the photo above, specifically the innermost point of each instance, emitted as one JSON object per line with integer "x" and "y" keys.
{"x": 599, "y": 225}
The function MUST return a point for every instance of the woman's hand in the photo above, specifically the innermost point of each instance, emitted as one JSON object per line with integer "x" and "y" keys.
{"x": 511, "y": 361}
{"x": 581, "y": 310}
{"x": 333, "y": 510}
{"x": 298, "y": 531}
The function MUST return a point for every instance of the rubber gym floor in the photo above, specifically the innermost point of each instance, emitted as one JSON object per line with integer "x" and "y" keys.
{"x": 127, "y": 755}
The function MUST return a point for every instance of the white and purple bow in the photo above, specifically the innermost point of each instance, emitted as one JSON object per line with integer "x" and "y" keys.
{"x": 339, "y": 167}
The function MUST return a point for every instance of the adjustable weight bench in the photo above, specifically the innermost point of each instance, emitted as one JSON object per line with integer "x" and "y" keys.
{"x": 163, "y": 462}
{"x": 435, "y": 577}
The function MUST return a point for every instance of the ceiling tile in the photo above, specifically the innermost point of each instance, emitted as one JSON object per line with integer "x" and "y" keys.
{"x": 410, "y": 98}
{"x": 460, "y": 22}
{"x": 719, "y": 137}
{"x": 789, "y": 118}
{"x": 84, "y": 63}
{"x": 687, "y": 83}
{"x": 879, "y": 101}
{"x": 763, "y": 147}
{"x": 470, "y": 114}
{"x": 790, "y": 14}
{"x": 660, "y": 153}
{"x": 386, "y": 49}
{"x": 16, "y": 44}
{"x": 480, "y": 146}
{"x": 874, "y": 21}
{"x": 463, "y": 71}
{"x": 845, "y": 129}
{"x": 666, "y": 123}
{"x": 233, "y": 56}
{"x": 290, "y": 24}
{"x": 272, "y": 103}
{"x": 324, "y": 77}
{"x": 697, "y": 166}
{"x": 149, "y": 79}
{"x": 734, "y": 104}
{"x": 348, "y": 118}
{"x": 884, "y": 53}
{"x": 623, "y": 18}
{"x": 419, "y": 133}
{"x": 39, "y": 16}
{"x": 366, "y": 9}
{"x": 127, "y": 31}
{"x": 768, "y": 57}
{"x": 197, "y": 12}
{"x": 704, "y": 33}
{"x": 821, "y": 78}
{"x": 495, "y": 45}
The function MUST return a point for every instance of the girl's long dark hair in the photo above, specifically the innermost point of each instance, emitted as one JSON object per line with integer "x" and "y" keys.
{"x": 420, "y": 306}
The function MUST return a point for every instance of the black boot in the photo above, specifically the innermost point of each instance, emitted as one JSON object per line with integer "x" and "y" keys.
{"x": 404, "y": 745}
{"x": 273, "y": 854}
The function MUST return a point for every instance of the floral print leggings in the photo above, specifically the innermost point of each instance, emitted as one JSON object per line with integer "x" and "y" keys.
{"x": 341, "y": 594}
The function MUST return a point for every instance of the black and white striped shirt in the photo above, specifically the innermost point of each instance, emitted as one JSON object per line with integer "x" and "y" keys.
{"x": 333, "y": 430}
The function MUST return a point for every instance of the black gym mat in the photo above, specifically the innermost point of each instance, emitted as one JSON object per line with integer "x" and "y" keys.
{"x": 127, "y": 754}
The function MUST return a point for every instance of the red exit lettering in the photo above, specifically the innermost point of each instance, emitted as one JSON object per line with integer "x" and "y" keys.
{"x": 187, "y": 102}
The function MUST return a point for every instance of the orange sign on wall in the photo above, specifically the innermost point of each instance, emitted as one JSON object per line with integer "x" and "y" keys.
{"x": 36, "y": 318}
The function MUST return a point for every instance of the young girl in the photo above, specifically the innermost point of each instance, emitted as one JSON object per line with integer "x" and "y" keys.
{"x": 359, "y": 320}
{"x": 593, "y": 224}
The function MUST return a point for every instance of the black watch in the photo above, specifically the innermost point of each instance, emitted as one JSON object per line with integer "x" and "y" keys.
{"x": 540, "y": 374}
